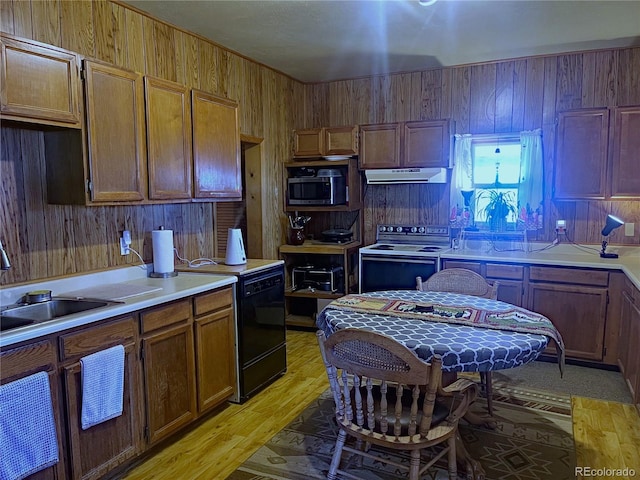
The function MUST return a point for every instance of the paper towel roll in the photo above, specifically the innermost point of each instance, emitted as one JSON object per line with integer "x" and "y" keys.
{"x": 162, "y": 241}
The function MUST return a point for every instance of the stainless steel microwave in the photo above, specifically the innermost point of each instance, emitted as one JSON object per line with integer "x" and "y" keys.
{"x": 320, "y": 190}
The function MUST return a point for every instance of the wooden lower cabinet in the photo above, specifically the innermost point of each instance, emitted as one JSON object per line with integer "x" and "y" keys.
{"x": 176, "y": 369}
{"x": 511, "y": 288}
{"x": 26, "y": 360}
{"x": 105, "y": 446}
{"x": 215, "y": 352}
{"x": 169, "y": 369}
{"x": 575, "y": 300}
{"x": 629, "y": 341}
{"x": 577, "y": 312}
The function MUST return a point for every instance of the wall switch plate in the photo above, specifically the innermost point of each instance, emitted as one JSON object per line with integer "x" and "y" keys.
{"x": 629, "y": 229}
{"x": 561, "y": 226}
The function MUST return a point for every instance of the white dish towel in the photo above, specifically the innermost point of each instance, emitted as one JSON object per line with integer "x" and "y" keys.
{"x": 102, "y": 386}
{"x": 28, "y": 439}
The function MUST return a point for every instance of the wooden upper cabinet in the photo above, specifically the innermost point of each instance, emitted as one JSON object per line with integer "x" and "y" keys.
{"x": 581, "y": 154}
{"x": 168, "y": 115}
{"x": 216, "y": 147}
{"x": 418, "y": 144}
{"x": 116, "y": 133}
{"x": 625, "y": 181}
{"x": 320, "y": 142}
{"x": 308, "y": 142}
{"x": 427, "y": 144}
{"x": 341, "y": 140}
{"x": 380, "y": 145}
{"x": 38, "y": 83}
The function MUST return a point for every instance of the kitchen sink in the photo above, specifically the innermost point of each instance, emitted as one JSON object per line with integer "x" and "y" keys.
{"x": 21, "y": 315}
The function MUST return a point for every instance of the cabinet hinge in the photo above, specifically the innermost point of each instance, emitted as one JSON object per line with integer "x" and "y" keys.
{"x": 89, "y": 186}
{"x": 141, "y": 353}
{"x": 82, "y": 74}
{"x": 607, "y": 297}
{"x": 146, "y": 433}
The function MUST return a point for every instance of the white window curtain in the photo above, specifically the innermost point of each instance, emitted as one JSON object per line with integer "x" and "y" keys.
{"x": 462, "y": 175}
{"x": 530, "y": 190}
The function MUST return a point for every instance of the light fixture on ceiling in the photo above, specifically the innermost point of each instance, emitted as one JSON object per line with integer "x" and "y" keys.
{"x": 427, "y": 3}
{"x": 611, "y": 224}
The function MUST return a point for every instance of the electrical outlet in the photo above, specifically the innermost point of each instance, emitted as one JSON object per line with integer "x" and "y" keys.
{"x": 124, "y": 248}
{"x": 629, "y": 229}
{"x": 125, "y": 242}
{"x": 561, "y": 226}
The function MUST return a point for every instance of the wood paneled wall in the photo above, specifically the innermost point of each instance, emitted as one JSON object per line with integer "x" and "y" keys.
{"x": 45, "y": 240}
{"x": 497, "y": 97}
{"x": 51, "y": 240}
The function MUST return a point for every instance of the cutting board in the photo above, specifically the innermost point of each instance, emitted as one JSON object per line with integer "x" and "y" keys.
{"x": 113, "y": 291}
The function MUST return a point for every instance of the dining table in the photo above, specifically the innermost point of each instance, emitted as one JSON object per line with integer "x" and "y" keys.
{"x": 470, "y": 334}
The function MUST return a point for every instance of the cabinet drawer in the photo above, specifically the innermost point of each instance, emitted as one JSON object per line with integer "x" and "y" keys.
{"x": 576, "y": 276}
{"x": 473, "y": 266}
{"x": 512, "y": 272}
{"x": 92, "y": 339}
{"x": 26, "y": 360}
{"x": 210, "y": 302}
{"x": 165, "y": 315}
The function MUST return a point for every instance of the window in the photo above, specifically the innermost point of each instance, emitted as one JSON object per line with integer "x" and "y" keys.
{"x": 501, "y": 165}
{"x": 495, "y": 167}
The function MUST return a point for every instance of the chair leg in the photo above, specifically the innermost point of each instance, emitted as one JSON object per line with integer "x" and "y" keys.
{"x": 337, "y": 455}
{"x": 414, "y": 465}
{"x": 452, "y": 460}
{"x": 485, "y": 379}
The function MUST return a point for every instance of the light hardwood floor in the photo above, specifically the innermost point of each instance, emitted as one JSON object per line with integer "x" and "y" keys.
{"x": 607, "y": 434}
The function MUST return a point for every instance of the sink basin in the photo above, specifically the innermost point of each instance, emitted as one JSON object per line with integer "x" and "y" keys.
{"x": 21, "y": 315}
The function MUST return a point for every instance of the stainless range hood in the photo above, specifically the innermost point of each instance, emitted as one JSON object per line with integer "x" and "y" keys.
{"x": 406, "y": 175}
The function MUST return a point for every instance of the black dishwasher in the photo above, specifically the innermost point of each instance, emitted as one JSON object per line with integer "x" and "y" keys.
{"x": 262, "y": 354}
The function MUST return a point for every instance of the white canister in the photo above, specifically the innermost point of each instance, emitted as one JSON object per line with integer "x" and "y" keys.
{"x": 235, "y": 248}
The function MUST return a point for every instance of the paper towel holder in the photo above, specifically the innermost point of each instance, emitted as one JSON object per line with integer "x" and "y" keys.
{"x": 154, "y": 274}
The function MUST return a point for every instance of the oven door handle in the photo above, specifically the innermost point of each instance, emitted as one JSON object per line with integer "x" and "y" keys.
{"x": 399, "y": 259}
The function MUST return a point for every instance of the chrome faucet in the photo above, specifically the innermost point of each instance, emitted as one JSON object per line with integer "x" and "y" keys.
{"x": 4, "y": 259}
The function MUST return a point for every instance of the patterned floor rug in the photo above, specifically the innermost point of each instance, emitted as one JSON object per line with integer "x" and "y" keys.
{"x": 533, "y": 441}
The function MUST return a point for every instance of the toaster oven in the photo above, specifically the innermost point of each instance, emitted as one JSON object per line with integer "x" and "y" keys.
{"x": 326, "y": 279}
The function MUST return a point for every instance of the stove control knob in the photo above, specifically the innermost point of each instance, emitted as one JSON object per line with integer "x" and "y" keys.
{"x": 381, "y": 228}
{"x": 421, "y": 229}
{"x": 398, "y": 229}
{"x": 414, "y": 229}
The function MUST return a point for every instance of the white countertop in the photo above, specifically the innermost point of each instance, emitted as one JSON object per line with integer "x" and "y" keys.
{"x": 252, "y": 266}
{"x": 566, "y": 255}
{"x": 173, "y": 288}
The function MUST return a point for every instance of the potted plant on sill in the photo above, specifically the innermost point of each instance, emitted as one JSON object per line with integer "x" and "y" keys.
{"x": 498, "y": 209}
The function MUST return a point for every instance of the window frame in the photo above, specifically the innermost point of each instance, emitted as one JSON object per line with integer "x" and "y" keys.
{"x": 497, "y": 140}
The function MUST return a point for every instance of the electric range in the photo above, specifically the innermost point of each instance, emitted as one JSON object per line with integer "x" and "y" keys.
{"x": 401, "y": 253}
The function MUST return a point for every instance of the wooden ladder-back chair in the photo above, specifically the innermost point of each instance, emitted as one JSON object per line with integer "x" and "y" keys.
{"x": 468, "y": 282}
{"x": 386, "y": 396}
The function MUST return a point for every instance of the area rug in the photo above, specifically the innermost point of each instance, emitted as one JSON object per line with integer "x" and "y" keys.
{"x": 532, "y": 441}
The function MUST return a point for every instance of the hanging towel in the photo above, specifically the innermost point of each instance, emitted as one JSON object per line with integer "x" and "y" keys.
{"x": 28, "y": 438}
{"x": 102, "y": 386}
